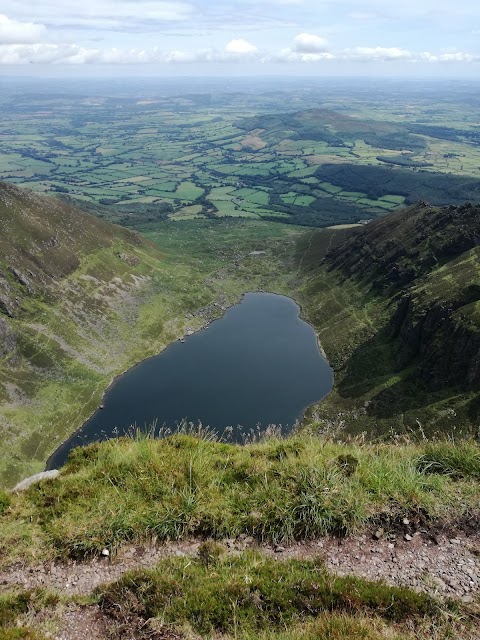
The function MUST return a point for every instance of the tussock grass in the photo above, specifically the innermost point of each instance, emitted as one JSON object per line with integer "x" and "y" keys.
{"x": 331, "y": 627}
{"x": 17, "y": 606}
{"x": 277, "y": 491}
{"x": 5, "y": 501}
{"x": 460, "y": 461}
{"x": 250, "y": 594}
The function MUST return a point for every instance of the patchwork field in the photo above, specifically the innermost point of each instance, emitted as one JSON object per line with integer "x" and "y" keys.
{"x": 242, "y": 154}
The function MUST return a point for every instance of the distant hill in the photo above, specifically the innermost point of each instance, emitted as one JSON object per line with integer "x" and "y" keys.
{"x": 397, "y": 304}
{"x": 72, "y": 291}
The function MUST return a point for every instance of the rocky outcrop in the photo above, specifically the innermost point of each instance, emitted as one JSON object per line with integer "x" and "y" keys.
{"x": 425, "y": 263}
{"x": 447, "y": 351}
{"x": 7, "y": 306}
{"x": 7, "y": 300}
{"x": 22, "y": 279}
{"x": 8, "y": 342}
{"x": 39, "y": 477}
{"x": 394, "y": 251}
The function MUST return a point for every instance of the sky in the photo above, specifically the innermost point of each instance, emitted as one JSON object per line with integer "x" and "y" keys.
{"x": 409, "y": 38}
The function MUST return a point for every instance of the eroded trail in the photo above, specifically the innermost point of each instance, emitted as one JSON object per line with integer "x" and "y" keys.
{"x": 444, "y": 567}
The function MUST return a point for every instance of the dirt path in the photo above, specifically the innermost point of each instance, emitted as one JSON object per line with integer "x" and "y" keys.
{"x": 445, "y": 567}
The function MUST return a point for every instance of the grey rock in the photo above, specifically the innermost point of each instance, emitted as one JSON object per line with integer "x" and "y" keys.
{"x": 7, "y": 306}
{"x": 8, "y": 342}
{"x": 38, "y": 477}
{"x": 22, "y": 279}
{"x": 439, "y": 583}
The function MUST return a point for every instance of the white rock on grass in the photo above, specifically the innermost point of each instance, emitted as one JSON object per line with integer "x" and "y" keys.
{"x": 38, "y": 477}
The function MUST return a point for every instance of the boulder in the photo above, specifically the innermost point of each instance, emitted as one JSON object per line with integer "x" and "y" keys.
{"x": 38, "y": 477}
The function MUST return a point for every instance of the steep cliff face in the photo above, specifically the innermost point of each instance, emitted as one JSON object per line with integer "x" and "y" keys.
{"x": 426, "y": 262}
{"x": 397, "y": 250}
{"x": 446, "y": 351}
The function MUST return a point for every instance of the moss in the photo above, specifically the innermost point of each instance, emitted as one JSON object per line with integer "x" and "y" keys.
{"x": 5, "y": 502}
{"x": 254, "y": 593}
{"x": 14, "y": 605}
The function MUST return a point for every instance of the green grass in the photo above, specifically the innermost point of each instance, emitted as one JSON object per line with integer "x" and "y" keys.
{"x": 395, "y": 199}
{"x": 17, "y": 609}
{"x": 458, "y": 461}
{"x": 251, "y": 594}
{"x": 329, "y": 188}
{"x": 188, "y": 191}
{"x": 240, "y": 596}
{"x": 277, "y": 491}
{"x": 183, "y": 153}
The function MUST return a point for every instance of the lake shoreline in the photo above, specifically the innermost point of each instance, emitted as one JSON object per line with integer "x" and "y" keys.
{"x": 220, "y": 304}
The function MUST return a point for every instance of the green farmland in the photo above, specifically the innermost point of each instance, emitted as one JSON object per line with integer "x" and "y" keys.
{"x": 330, "y": 161}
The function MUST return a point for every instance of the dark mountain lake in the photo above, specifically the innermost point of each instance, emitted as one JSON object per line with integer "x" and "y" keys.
{"x": 257, "y": 365}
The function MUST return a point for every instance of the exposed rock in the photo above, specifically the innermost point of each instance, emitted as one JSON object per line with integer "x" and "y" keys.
{"x": 448, "y": 351}
{"x": 8, "y": 342}
{"x": 427, "y": 260}
{"x": 38, "y": 477}
{"x": 22, "y": 279}
{"x": 7, "y": 305}
{"x": 133, "y": 261}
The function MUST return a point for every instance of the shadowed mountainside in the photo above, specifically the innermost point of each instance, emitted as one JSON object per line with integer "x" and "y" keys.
{"x": 403, "y": 292}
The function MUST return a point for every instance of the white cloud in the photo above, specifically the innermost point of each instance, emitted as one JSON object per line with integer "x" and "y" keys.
{"x": 101, "y": 14}
{"x": 386, "y": 54}
{"x": 288, "y": 55}
{"x": 456, "y": 56}
{"x": 306, "y": 49}
{"x": 310, "y": 43}
{"x": 241, "y": 47}
{"x": 13, "y": 32}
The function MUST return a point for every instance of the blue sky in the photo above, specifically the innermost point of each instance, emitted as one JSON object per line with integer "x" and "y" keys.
{"x": 242, "y": 37}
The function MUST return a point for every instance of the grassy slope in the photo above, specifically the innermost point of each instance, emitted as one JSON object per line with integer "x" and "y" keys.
{"x": 351, "y": 298}
{"x": 254, "y": 597}
{"x": 87, "y": 314}
{"x": 278, "y": 490}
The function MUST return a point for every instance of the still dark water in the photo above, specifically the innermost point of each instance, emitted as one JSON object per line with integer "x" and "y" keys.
{"x": 258, "y": 365}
